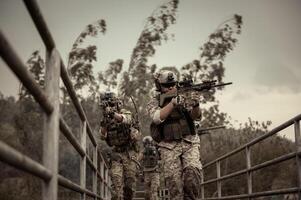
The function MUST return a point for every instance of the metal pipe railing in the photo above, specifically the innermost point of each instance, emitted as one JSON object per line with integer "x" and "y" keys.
{"x": 75, "y": 187}
{"x": 298, "y": 149}
{"x": 40, "y": 23}
{"x": 256, "y": 194}
{"x": 68, "y": 84}
{"x": 256, "y": 140}
{"x": 249, "y": 169}
{"x": 20, "y": 70}
{"x": 16, "y": 159}
{"x": 20, "y": 161}
{"x": 45, "y": 34}
{"x": 71, "y": 138}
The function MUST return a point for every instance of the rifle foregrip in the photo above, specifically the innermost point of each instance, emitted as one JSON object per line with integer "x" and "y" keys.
{"x": 163, "y": 97}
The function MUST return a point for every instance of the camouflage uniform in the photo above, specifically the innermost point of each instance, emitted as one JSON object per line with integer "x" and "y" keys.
{"x": 123, "y": 161}
{"x": 180, "y": 155}
{"x": 150, "y": 159}
{"x": 151, "y": 184}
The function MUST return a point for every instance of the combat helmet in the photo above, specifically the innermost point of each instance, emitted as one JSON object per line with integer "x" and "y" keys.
{"x": 165, "y": 78}
{"x": 110, "y": 99}
{"x": 147, "y": 140}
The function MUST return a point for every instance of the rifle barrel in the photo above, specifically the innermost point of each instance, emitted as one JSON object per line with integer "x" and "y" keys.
{"x": 222, "y": 84}
{"x": 204, "y": 131}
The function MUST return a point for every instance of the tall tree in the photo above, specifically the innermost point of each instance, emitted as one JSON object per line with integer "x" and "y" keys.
{"x": 109, "y": 77}
{"x": 137, "y": 82}
{"x": 81, "y": 58}
{"x": 210, "y": 65}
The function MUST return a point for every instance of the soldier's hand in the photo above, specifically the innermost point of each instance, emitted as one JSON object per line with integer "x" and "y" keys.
{"x": 110, "y": 112}
{"x": 178, "y": 100}
{"x": 103, "y": 132}
{"x": 195, "y": 99}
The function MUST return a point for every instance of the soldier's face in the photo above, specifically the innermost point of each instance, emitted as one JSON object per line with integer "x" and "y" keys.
{"x": 168, "y": 88}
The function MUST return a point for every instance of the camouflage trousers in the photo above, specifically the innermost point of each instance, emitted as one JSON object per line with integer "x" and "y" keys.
{"x": 151, "y": 185}
{"x": 181, "y": 169}
{"x": 123, "y": 174}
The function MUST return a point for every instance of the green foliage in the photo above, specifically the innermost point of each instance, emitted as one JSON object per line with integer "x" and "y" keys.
{"x": 213, "y": 52}
{"x": 210, "y": 65}
{"x": 213, "y": 117}
{"x": 138, "y": 80}
{"x": 109, "y": 77}
{"x": 153, "y": 34}
{"x": 91, "y": 30}
{"x": 36, "y": 66}
{"x": 20, "y": 128}
{"x": 81, "y": 58}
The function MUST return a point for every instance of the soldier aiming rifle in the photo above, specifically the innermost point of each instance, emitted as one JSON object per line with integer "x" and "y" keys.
{"x": 150, "y": 167}
{"x": 117, "y": 129}
{"x": 187, "y": 86}
{"x": 173, "y": 113}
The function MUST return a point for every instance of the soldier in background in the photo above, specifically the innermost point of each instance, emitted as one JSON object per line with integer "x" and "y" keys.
{"x": 150, "y": 164}
{"x": 173, "y": 128}
{"x": 118, "y": 132}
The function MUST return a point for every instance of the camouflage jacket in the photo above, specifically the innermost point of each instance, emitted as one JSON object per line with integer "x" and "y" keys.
{"x": 153, "y": 110}
{"x": 135, "y": 135}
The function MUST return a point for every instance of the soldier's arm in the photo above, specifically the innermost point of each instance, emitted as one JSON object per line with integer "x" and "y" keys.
{"x": 103, "y": 133}
{"x": 158, "y": 114}
{"x": 196, "y": 112}
{"x": 166, "y": 110}
{"x": 125, "y": 116}
{"x": 118, "y": 117}
{"x": 154, "y": 111}
{"x": 135, "y": 134}
{"x": 140, "y": 156}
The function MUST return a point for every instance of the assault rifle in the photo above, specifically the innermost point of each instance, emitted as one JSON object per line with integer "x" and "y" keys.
{"x": 108, "y": 101}
{"x": 188, "y": 86}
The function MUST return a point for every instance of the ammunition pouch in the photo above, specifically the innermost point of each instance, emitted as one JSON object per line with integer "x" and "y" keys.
{"x": 177, "y": 125}
{"x": 175, "y": 130}
{"x": 123, "y": 148}
{"x": 112, "y": 156}
{"x": 118, "y": 134}
{"x": 155, "y": 132}
{"x": 150, "y": 157}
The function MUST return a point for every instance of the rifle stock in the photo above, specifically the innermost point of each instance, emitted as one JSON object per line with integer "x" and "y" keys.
{"x": 165, "y": 96}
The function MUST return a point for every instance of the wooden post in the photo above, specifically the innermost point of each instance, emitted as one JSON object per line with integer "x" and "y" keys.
{"x": 51, "y": 125}
{"x": 83, "y": 161}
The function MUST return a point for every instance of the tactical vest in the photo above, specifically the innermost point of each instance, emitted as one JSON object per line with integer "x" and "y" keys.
{"x": 177, "y": 125}
{"x": 150, "y": 157}
{"x": 118, "y": 134}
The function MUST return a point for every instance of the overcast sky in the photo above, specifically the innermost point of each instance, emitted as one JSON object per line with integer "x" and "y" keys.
{"x": 264, "y": 66}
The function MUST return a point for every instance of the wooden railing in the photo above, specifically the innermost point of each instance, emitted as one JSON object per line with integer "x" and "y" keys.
{"x": 252, "y": 168}
{"x": 48, "y": 99}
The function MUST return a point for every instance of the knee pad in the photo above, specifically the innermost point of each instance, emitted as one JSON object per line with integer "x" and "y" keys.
{"x": 192, "y": 183}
